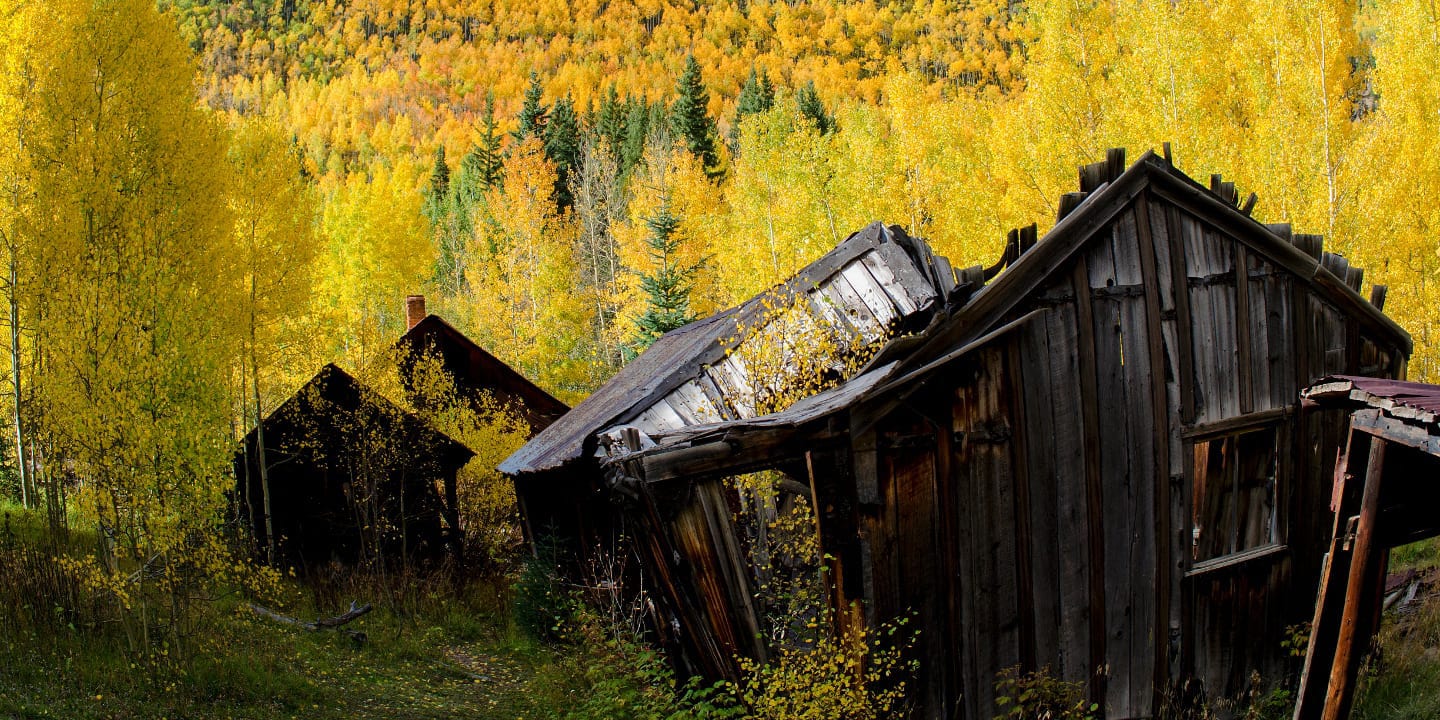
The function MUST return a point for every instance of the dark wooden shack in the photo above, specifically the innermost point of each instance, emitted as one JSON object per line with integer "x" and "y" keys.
{"x": 1089, "y": 458}
{"x": 352, "y": 477}
{"x": 478, "y": 375}
{"x": 1387, "y": 486}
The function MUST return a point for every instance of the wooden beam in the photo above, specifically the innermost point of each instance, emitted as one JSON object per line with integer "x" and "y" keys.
{"x": 1399, "y": 432}
{"x": 1341, "y": 692}
{"x": 1160, "y": 438}
{"x": 1094, "y": 483}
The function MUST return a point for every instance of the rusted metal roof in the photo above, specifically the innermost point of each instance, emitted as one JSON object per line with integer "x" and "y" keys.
{"x": 1398, "y": 398}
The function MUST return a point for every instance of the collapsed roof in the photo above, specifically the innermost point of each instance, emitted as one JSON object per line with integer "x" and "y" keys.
{"x": 882, "y": 286}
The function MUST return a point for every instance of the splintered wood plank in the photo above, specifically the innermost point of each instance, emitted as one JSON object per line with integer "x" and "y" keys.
{"x": 823, "y": 307}
{"x": 1072, "y": 537}
{"x": 847, "y": 301}
{"x": 733, "y": 564}
{"x": 1243, "y": 329}
{"x": 902, "y": 268}
{"x": 902, "y": 297}
{"x": 1039, "y": 536}
{"x": 1202, "y": 312}
{"x": 1258, "y": 315}
{"x": 1091, "y": 419}
{"x": 1134, "y": 490}
{"x": 1157, "y": 483}
{"x": 1114, "y": 474}
{"x": 693, "y": 404}
{"x": 707, "y": 385}
{"x": 659, "y": 418}
{"x": 733, "y": 381}
{"x": 871, "y": 293}
{"x": 1185, "y": 367}
{"x": 1227, "y": 350}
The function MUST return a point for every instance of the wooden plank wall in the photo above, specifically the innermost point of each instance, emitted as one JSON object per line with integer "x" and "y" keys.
{"x": 1034, "y": 509}
{"x": 1072, "y": 535}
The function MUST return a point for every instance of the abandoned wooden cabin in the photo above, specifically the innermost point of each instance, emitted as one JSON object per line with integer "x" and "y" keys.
{"x": 340, "y": 458}
{"x": 478, "y": 375}
{"x": 1090, "y": 458}
{"x": 1385, "y": 496}
{"x": 353, "y": 478}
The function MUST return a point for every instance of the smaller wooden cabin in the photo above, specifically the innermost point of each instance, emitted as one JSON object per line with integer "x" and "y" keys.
{"x": 478, "y": 375}
{"x": 353, "y": 478}
{"x": 1386, "y": 491}
{"x": 1089, "y": 459}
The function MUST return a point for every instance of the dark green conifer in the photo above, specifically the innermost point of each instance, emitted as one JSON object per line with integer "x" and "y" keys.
{"x": 637, "y": 130}
{"x": 440, "y": 175}
{"x": 533, "y": 114}
{"x": 689, "y": 117}
{"x": 609, "y": 124}
{"x": 757, "y": 95}
{"x": 813, "y": 110}
{"x": 488, "y": 161}
{"x": 667, "y": 289}
{"x": 562, "y": 146}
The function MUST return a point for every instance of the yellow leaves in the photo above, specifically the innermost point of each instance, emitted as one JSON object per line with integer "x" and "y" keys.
{"x": 523, "y": 273}
{"x": 377, "y": 251}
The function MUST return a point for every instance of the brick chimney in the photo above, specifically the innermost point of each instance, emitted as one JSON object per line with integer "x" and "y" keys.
{"x": 414, "y": 310}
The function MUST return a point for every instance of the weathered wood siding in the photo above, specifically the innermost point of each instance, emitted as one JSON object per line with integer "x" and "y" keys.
{"x": 1059, "y": 534}
{"x": 1026, "y": 491}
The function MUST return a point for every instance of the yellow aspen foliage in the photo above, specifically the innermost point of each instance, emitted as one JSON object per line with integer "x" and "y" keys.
{"x": 274, "y": 213}
{"x": 377, "y": 250}
{"x": 780, "y": 200}
{"x": 134, "y": 316}
{"x": 674, "y": 179}
{"x": 525, "y": 280}
{"x": 1394, "y": 218}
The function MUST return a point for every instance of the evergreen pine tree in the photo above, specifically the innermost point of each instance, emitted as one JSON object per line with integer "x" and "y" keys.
{"x": 667, "y": 289}
{"x": 440, "y": 175}
{"x": 488, "y": 160}
{"x": 689, "y": 118}
{"x": 562, "y": 146}
{"x": 756, "y": 96}
{"x": 533, "y": 114}
{"x": 436, "y": 207}
{"x": 812, "y": 109}
{"x": 609, "y": 125}
{"x": 637, "y": 129}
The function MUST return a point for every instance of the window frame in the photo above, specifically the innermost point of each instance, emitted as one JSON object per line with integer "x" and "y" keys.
{"x": 1277, "y": 421}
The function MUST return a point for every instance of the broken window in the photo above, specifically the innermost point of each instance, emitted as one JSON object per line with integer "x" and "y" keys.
{"x": 1234, "y": 495}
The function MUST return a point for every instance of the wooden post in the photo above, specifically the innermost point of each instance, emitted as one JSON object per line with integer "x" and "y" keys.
{"x": 1347, "y": 658}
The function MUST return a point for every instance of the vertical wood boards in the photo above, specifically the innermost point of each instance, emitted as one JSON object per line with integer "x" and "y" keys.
{"x": 1049, "y": 381}
{"x": 988, "y": 583}
{"x": 704, "y": 535}
{"x": 920, "y": 585}
{"x": 1156, "y": 274}
{"x": 1127, "y": 459}
{"x": 1090, "y": 419}
{"x": 1210, "y": 269}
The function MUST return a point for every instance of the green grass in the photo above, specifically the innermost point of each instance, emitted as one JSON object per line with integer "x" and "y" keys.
{"x": 244, "y": 666}
{"x": 433, "y": 651}
{"x": 1402, "y": 681}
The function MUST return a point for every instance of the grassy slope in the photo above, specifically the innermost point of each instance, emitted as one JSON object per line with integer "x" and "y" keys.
{"x": 248, "y": 667}
{"x": 1402, "y": 681}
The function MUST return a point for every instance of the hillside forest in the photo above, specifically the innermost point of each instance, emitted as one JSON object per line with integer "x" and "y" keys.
{"x": 204, "y": 202}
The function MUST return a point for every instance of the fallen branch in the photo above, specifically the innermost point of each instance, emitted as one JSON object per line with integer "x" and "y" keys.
{"x": 331, "y": 623}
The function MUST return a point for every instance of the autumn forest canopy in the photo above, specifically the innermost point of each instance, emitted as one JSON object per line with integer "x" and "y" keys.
{"x": 203, "y": 203}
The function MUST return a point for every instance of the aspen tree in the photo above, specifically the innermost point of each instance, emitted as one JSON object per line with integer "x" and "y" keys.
{"x": 273, "y": 213}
